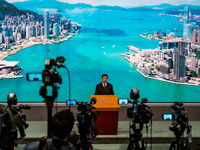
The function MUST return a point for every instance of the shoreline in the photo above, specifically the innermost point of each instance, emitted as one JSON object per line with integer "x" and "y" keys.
{"x": 156, "y": 78}
{"x": 27, "y": 44}
{"x": 23, "y": 46}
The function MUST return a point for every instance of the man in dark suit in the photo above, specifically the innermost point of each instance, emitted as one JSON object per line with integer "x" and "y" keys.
{"x": 104, "y": 88}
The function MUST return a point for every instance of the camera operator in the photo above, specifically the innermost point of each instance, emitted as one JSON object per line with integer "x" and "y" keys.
{"x": 62, "y": 124}
{"x": 12, "y": 119}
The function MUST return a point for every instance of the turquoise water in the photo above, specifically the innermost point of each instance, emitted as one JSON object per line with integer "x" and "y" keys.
{"x": 87, "y": 60}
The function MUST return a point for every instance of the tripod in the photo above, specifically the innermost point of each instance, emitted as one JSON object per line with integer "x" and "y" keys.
{"x": 135, "y": 138}
{"x": 85, "y": 143}
{"x": 49, "y": 103}
{"x": 135, "y": 141}
{"x": 177, "y": 144}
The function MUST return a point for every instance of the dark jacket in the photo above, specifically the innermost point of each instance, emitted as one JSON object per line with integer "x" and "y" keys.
{"x": 100, "y": 90}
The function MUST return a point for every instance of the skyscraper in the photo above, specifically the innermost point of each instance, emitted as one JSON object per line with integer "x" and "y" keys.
{"x": 7, "y": 41}
{"x": 46, "y": 24}
{"x": 188, "y": 35}
{"x": 36, "y": 30}
{"x": 193, "y": 63}
{"x": 185, "y": 21}
{"x": 1, "y": 38}
{"x": 42, "y": 31}
{"x": 32, "y": 28}
{"x": 179, "y": 60}
{"x": 196, "y": 35}
{"x": 28, "y": 32}
{"x": 56, "y": 29}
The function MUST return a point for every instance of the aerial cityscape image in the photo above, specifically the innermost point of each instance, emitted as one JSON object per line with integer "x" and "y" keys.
{"x": 151, "y": 45}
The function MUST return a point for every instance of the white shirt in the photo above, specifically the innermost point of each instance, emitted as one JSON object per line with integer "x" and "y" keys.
{"x": 104, "y": 84}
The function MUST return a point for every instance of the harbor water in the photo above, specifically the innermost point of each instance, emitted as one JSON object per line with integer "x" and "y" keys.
{"x": 94, "y": 51}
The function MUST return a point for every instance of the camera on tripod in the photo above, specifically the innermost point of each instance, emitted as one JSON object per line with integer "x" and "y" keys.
{"x": 50, "y": 77}
{"x": 86, "y": 117}
{"x": 141, "y": 114}
{"x": 179, "y": 113}
{"x": 178, "y": 116}
{"x": 179, "y": 123}
{"x": 139, "y": 111}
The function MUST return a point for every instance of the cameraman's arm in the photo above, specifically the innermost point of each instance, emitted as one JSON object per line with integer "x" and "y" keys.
{"x": 20, "y": 126}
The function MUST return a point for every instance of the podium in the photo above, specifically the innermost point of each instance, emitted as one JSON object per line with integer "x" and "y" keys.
{"x": 107, "y": 120}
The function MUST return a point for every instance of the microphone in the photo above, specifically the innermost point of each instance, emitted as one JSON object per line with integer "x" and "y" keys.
{"x": 60, "y": 59}
{"x": 26, "y": 107}
{"x": 93, "y": 100}
{"x": 59, "y": 65}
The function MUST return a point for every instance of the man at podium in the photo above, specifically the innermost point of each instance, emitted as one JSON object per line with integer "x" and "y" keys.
{"x": 104, "y": 88}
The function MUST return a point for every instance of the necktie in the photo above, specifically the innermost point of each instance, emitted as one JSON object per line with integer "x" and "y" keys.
{"x": 104, "y": 85}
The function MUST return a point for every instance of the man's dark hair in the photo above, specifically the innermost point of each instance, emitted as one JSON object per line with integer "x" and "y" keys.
{"x": 104, "y": 75}
{"x": 62, "y": 123}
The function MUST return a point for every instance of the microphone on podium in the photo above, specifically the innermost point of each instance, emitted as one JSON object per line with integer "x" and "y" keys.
{"x": 93, "y": 100}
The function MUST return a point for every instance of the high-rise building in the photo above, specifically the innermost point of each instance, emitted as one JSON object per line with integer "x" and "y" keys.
{"x": 15, "y": 36}
{"x": 188, "y": 35}
{"x": 5, "y": 31}
{"x": 56, "y": 29}
{"x": 196, "y": 35}
{"x": 28, "y": 32}
{"x": 19, "y": 36}
{"x": 36, "y": 30}
{"x": 185, "y": 21}
{"x": 1, "y": 38}
{"x": 23, "y": 18}
{"x": 56, "y": 17}
{"x": 32, "y": 27}
{"x": 46, "y": 24}
{"x": 42, "y": 31}
{"x": 179, "y": 60}
{"x": 169, "y": 46}
{"x": 193, "y": 63}
{"x": 7, "y": 41}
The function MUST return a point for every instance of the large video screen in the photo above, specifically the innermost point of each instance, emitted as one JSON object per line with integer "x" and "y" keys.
{"x": 150, "y": 45}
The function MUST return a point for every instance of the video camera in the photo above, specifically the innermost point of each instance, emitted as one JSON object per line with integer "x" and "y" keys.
{"x": 86, "y": 117}
{"x": 178, "y": 114}
{"x": 50, "y": 76}
{"x": 179, "y": 123}
{"x": 178, "y": 117}
{"x": 140, "y": 112}
{"x": 11, "y": 119}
